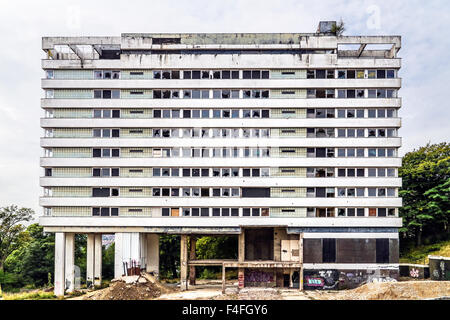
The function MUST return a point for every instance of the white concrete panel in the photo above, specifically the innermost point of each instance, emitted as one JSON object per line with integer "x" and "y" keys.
{"x": 220, "y": 103}
{"x": 218, "y": 222}
{"x": 223, "y": 182}
{"x": 266, "y": 61}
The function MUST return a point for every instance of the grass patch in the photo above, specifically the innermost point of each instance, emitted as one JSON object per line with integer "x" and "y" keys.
{"x": 419, "y": 255}
{"x": 34, "y": 295}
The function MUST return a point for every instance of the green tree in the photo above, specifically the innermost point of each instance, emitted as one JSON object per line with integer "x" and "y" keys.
{"x": 425, "y": 192}
{"x": 33, "y": 260}
{"x": 11, "y": 219}
{"x": 217, "y": 247}
{"x": 169, "y": 250}
{"x": 108, "y": 262}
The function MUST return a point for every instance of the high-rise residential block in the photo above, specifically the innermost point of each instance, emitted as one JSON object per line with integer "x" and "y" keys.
{"x": 287, "y": 141}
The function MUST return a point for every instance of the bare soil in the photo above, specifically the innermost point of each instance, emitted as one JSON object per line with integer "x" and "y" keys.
{"x": 145, "y": 287}
{"x": 152, "y": 289}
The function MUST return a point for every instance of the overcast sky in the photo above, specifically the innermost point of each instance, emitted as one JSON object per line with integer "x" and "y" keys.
{"x": 423, "y": 26}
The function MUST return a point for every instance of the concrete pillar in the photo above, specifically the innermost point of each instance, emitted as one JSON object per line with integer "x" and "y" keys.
{"x": 153, "y": 254}
{"x": 192, "y": 256}
{"x": 300, "y": 257}
{"x": 60, "y": 246}
{"x": 241, "y": 246}
{"x": 130, "y": 246}
{"x": 90, "y": 260}
{"x": 97, "y": 259}
{"x": 183, "y": 263}
{"x": 241, "y": 258}
{"x": 223, "y": 278}
{"x": 118, "y": 263}
{"x": 70, "y": 262}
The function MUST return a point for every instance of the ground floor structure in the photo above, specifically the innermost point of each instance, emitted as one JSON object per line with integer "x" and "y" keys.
{"x": 306, "y": 257}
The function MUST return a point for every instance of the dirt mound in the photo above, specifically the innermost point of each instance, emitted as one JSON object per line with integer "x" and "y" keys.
{"x": 144, "y": 287}
{"x": 408, "y": 290}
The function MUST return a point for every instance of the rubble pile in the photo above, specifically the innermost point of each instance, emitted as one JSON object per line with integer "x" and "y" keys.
{"x": 138, "y": 287}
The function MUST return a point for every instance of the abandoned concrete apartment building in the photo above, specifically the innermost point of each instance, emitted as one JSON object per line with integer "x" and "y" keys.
{"x": 287, "y": 141}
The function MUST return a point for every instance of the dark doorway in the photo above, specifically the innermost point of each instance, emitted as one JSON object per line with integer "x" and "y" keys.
{"x": 295, "y": 279}
{"x": 259, "y": 244}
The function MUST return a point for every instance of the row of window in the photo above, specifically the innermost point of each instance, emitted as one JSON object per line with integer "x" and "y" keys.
{"x": 236, "y": 94}
{"x": 239, "y": 152}
{"x": 246, "y": 212}
{"x": 246, "y": 74}
{"x": 243, "y": 113}
{"x": 351, "y": 113}
{"x": 350, "y": 212}
{"x": 330, "y": 192}
{"x": 253, "y": 192}
{"x": 240, "y": 133}
{"x": 242, "y": 172}
{"x": 215, "y": 212}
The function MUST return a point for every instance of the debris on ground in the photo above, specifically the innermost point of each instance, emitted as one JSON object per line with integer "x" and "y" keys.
{"x": 407, "y": 290}
{"x": 139, "y": 287}
{"x": 146, "y": 287}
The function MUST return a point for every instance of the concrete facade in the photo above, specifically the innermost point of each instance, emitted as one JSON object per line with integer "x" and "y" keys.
{"x": 198, "y": 134}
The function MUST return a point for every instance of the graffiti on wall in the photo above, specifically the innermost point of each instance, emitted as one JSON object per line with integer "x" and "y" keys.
{"x": 439, "y": 268}
{"x": 414, "y": 273}
{"x": 321, "y": 279}
{"x": 345, "y": 279}
{"x": 258, "y": 276}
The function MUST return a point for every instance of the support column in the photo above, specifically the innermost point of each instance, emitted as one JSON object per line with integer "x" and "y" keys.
{"x": 192, "y": 256}
{"x": 183, "y": 263}
{"x": 60, "y": 244}
{"x": 241, "y": 258}
{"x": 70, "y": 262}
{"x": 153, "y": 254}
{"x": 223, "y": 278}
{"x": 97, "y": 259}
{"x": 300, "y": 257}
{"x": 130, "y": 247}
{"x": 90, "y": 258}
{"x": 118, "y": 262}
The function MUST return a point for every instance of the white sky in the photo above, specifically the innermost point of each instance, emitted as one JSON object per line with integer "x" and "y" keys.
{"x": 425, "y": 52}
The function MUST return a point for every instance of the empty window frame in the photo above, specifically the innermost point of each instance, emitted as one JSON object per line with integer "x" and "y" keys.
{"x": 106, "y": 133}
{"x": 105, "y": 212}
{"x": 105, "y": 152}
{"x": 106, "y": 94}
{"x": 320, "y": 113}
{"x": 105, "y": 172}
{"x": 320, "y": 132}
{"x": 319, "y": 74}
{"x": 319, "y": 172}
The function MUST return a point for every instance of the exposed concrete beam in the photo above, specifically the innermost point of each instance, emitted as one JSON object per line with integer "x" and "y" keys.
{"x": 77, "y": 51}
{"x": 98, "y": 49}
{"x": 361, "y": 49}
